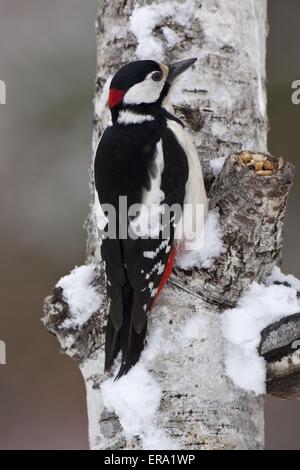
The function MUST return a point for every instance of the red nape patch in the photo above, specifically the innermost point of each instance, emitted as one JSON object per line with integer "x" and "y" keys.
{"x": 115, "y": 97}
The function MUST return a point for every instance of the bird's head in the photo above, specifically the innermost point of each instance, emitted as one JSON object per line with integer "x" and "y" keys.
{"x": 143, "y": 85}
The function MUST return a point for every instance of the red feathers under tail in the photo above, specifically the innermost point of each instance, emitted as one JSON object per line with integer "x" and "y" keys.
{"x": 167, "y": 272}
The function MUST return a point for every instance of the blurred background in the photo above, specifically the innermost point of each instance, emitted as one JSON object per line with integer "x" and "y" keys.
{"x": 47, "y": 59}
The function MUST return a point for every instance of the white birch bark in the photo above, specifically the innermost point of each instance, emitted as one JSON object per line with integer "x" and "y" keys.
{"x": 223, "y": 103}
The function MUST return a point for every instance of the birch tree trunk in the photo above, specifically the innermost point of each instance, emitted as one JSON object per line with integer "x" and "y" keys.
{"x": 223, "y": 103}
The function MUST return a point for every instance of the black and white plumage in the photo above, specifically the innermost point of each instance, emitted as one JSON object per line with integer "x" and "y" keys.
{"x": 147, "y": 156}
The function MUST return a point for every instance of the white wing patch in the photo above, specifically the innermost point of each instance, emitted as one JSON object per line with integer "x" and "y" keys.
{"x": 148, "y": 222}
{"x": 156, "y": 195}
{"x": 153, "y": 254}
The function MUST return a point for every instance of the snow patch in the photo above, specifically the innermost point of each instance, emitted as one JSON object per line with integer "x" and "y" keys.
{"x": 136, "y": 397}
{"x": 82, "y": 298}
{"x": 260, "y": 306}
{"x": 191, "y": 329}
{"x": 171, "y": 37}
{"x": 144, "y": 20}
{"x": 216, "y": 164}
{"x": 206, "y": 248}
{"x": 278, "y": 276}
{"x": 67, "y": 343}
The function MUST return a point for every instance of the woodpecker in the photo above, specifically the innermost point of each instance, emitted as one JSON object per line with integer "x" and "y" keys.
{"x": 147, "y": 156}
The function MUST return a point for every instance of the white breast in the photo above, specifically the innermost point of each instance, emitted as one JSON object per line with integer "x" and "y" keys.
{"x": 195, "y": 202}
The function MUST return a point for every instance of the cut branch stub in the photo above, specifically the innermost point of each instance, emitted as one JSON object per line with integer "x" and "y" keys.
{"x": 78, "y": 341}
{"x": 280, "y": 347}
{"x": 251, "y": 193}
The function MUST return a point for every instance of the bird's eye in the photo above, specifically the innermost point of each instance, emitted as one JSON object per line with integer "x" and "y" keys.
{"x": 157, "y": 76}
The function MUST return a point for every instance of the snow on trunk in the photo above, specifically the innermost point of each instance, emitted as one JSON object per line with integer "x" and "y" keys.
{"x": 191, "y": 403}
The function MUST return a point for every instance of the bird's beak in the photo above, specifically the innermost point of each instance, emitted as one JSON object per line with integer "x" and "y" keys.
{"x": 178, "y": 68}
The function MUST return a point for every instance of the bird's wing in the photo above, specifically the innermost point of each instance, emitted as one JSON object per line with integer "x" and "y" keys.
{"x": 149, "y": 168}
{"x": 149, "y": 261}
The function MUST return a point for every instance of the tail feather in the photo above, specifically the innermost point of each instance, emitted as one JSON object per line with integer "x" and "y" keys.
{"x": 132, "y": 352}
{"x": 126, "y": 339}
{"x": 112, "y": 344}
